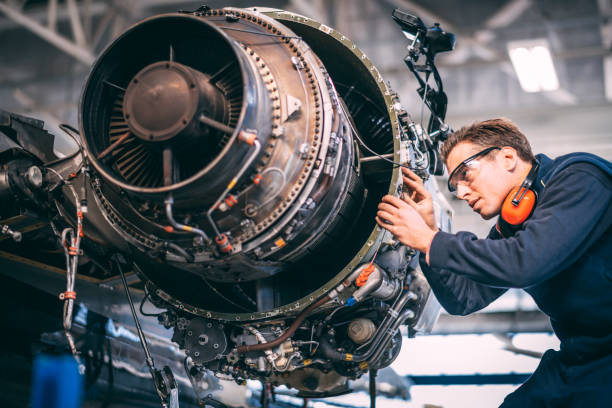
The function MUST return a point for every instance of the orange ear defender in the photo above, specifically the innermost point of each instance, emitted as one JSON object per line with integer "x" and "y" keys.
{"x": 518, "y": 214}
{"x": 519, "y": 204}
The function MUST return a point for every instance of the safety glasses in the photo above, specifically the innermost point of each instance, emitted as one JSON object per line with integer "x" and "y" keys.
{"x": 460, "y": 174}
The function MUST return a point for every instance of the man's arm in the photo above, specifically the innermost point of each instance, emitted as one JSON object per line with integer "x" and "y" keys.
{"x": 458, "y": 294}
{"x": 557, "y": 234}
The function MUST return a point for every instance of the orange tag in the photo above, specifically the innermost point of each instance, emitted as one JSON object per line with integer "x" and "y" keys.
{"x": 364, "y": 275}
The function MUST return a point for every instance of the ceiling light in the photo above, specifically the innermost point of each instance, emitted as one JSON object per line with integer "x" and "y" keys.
{"x": 533, "y": 65}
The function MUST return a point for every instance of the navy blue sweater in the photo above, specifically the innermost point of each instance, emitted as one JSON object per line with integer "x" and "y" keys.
{"x": 562, "y": 257}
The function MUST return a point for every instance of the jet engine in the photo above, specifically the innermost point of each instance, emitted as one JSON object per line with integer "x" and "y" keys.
{"x": 235, "y": 158}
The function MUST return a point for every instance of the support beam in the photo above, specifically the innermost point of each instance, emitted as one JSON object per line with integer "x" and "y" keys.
{"x": 52, "y": 15}
{"x": 40, "y": 14}
{"x": 507, "y": 14}
{"x": 75, "y": 23}
{"x": 78, "y": 52}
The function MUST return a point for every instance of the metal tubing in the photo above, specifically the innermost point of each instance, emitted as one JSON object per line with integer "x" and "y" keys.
{"x": 143, "y": 341}
{"x": 231, "y": 185}
{"x": 169, "y": 201}
{"x": 392, "y": 315}
{"x": 215, "y": 124}
{"x": 388, "y": 336}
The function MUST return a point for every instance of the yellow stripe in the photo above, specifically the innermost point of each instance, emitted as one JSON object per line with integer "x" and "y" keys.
{"x": 307, "y": 362}
{"x": 232, "y": 184}
{"x": 349, "y": 357}
{"x": 363, "y": 365}
{"x": 187, "y": 228}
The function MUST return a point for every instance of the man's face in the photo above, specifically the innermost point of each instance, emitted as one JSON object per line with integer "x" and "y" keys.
{"x": 485, "y": 182}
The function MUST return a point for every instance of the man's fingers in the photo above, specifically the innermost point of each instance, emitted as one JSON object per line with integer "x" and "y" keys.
{"x": 387, "y": 208}
{"x": 410, "y": 201}
{"x": 384, "y": 225}
{"x": 411, "y": 174}
{"x": 405, "y": 196}
{"x": 416, "y": 186}
{"x": 385, "y": 216}
{"x": 394, "y": 201}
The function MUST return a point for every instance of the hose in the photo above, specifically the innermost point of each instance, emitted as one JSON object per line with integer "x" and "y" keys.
{"x": 388, "y": 336}
{"x": 381, "y": 333}
{"x": 280, "y": 339}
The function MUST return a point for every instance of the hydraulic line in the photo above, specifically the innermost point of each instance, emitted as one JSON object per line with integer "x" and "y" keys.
{"x": 233, "y": 182}
{"x": 388, "y": 336}
{"x": 262, "y": 340}
{"x": 280, "y": 339}
{"x": 71, "y": 242}
{"x": 381, "y": 333}
{"x": 188, "y": 257}
{"x": 169, "y": 202}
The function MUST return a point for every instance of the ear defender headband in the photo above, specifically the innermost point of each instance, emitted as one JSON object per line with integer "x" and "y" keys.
{"x": 519, "y": 204}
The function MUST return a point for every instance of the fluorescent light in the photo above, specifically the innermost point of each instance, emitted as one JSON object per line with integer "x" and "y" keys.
{"x": 533, "y": 65}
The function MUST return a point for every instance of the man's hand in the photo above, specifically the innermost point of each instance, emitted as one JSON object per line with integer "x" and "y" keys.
{"x": 417, "y": 196}
{"x": 405, "y": 223}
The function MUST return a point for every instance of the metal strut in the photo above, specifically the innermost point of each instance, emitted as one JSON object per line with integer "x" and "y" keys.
{"x": 163, "y": 379}
{"x": 372, "y": 387}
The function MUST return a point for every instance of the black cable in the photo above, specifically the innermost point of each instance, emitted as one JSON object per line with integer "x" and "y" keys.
{"x": 437, "y": 78}
{"x": 144, "y": 299}
{"x": 63, "y": 159}
{"x": 69, "y": 130}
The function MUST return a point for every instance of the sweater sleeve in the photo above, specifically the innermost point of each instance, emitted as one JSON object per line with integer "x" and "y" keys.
{"x": 574, "y": 201}
{"x": 458, "y": 294}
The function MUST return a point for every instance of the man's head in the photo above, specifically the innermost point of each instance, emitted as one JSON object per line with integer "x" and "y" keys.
{"x": 485, "y": 161}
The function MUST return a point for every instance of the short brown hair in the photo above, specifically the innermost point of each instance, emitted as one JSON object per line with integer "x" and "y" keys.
{"x": 499, "y": 132}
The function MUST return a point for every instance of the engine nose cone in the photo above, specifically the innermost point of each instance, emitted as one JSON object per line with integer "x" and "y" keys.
{"x": 160, "y": 101}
